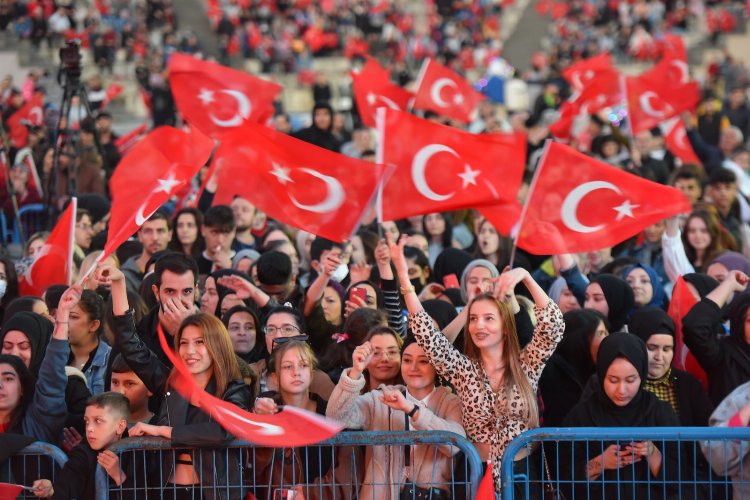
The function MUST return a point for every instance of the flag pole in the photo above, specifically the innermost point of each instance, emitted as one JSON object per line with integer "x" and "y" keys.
{"x": 515, "y": 232}
{"x": 418, "y": 83}
{"x": 379, "y": 153}
{"x": 73, "y": 206}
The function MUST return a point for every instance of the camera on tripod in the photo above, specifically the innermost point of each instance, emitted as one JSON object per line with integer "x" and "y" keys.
{"x": 70, "y": 60}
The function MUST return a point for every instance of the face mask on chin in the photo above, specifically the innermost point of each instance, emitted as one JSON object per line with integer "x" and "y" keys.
{"x": 417, "y": 284}
{"x": 3, "y": 288}
{"x": 340, "y": 273}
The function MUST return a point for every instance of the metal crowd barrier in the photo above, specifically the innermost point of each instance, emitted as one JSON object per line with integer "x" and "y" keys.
{"x": 333, "y": 469}
{"x": 696, "y": 463}
{"x": 39, "y": 460}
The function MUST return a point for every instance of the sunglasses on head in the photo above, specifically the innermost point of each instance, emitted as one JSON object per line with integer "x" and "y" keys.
{"x": 283, "y": 340}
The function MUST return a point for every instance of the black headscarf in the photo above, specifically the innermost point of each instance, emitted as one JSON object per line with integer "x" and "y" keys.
{"x": 223, "y": 291}
{"x": 737, "y": 312}
{"x": 620, "y": 299}
{"x": 37, "y": 328}
{"x": 648, "y": 321}
{"x": 603, "y": 412}
{"x": 574, "y": 350}
{"x": 704, "y": 283}
{"x": 441, "y": 311}
{"x": 450, "y": 261}
{"x": 256, "y": 353}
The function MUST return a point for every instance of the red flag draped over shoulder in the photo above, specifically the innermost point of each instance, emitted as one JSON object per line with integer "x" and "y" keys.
{"x": 54, "y": 262}
{"x": 373, "y": 89}
{"x": 295, "y": 182}
{"x": 289, "y": 428}
{"x": 156, "y": 168}
{"x": 682, "y": 301}
{"x": 216, "y": 98}
{"x": 445, "y": 92}
{"x": 440, "y": 168}
{"x": 579, "y": 204}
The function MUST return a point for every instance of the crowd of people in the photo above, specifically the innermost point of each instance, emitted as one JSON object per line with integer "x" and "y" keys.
{"x": 427, "y": 323}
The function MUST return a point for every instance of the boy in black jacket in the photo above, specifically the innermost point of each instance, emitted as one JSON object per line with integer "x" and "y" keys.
{"x": 106, "y": 419}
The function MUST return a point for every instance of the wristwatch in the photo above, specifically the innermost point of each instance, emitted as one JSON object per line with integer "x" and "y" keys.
{"x": 413, "y": 411}
{"x": 406, "y": 289}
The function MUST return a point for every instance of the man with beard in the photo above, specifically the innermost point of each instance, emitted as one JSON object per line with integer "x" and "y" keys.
{"x": 154, "y": 235}
{"x": 244, "y": 212}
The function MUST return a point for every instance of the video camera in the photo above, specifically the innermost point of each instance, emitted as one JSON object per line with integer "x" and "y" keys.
{"x": 70, "y": 60}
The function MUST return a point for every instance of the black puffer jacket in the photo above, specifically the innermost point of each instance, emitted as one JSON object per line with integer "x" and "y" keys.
{"x": 191, "y": 427}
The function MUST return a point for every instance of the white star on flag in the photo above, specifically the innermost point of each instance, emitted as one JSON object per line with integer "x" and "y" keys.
{"x": 469, "y": 176}
{"x": 206, "y": 96}
{"x": 625, "y": 210}
{"x": 458, "y": 99}
{"x": 371, "y": 98}
{"x": 281, "y": 173}
{"x": 168, "y": 184}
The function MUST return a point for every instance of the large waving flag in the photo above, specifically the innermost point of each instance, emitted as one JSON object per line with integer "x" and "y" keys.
{"x": 289, "y": 428}
{"x": 445, "y": 92}
{"x": 295, "y": 182}
{"x": 54, "y": 263}
{"x": 216, "y": 98}
{"x": 440, "y": 168}
{"x": 580, "y": 204}
{"x": 154, "y": 170}
{"x": 373, "y": 89}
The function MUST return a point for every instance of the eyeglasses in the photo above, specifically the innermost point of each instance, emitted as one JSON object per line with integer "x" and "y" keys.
{"x": 85, "y": 227}
{"x": 283, "y": 340}
{"x": 285, "y": 329}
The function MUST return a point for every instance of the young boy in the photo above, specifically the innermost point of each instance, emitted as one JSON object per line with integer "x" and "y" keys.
{"x": 106, "y": 419}
{"x": 127, "y": 383}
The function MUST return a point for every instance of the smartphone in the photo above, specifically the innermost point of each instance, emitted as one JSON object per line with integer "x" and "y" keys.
{"x": 450, "y": 281}
{"x": 359, "y": 292}
{"x": 284, "y": 494}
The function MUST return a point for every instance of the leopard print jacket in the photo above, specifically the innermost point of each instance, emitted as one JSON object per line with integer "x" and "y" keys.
{"x": 489, "y": 417}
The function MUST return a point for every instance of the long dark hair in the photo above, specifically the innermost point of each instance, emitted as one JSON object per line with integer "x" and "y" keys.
{"x": 447, "y": 236}
{"x": 199, "y": 243}
{"x": 26, "y": 379}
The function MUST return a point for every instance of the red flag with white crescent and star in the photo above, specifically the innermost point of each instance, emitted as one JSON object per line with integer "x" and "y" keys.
{"x": 445, "y": 92}
{"x": 579, "y": 204}
{"x": 31, "y": 113}
{"x": 442, "y": 168}
{"x": 289, "y": 428}
{"x": 676, "y": 140}
{"x": 53, "y": 263}
{"x": 373, "y": 89}
{"x": 215, "y": 98}
{"x": 580, "y": 74}
{"x": 154, "y": 170}
{"x": 295, "y": 182}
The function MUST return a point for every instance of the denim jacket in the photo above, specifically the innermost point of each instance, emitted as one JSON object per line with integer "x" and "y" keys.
{"x": 98, "y": 367}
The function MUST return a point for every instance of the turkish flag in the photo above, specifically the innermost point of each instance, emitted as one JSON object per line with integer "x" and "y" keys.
{"x": 445, "y": 92}
{"x": 114, "y": 90}
{"x": 10, "y": 490}
{"x": 657, "y": 96}
{"x": 582, "y": 72}
{"x": 599, "y": 91}
{"x": 486, "y": 489}
{"x": 680, "y": 304}
{"x": 155, "y": 169}
{"x": 289, "y": 428}
{"x": 440, "y": 168}
{"x": 215, "y": 98}
{"x": 579, "y": 204}
{"x": 54, "y": 262}
{"x": 25, "y": 157}
{"x": 675, "y": 138}
{"x": 373, "y": 89}
{"x": 126, "y": 142}
{"x": 295, "y": 182}
{"x": 30, "y": 113}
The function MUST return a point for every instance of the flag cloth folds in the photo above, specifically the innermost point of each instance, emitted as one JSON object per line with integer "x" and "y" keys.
{"x": 676, "y": 140}
{"x": 155, "y": 169}
{"x": 216, "y": 98}
{"x": 53, "y": 264}
{"x": 295, "y": 182}
{"x": 486, "y": 489}
{"x": 442, "y": 90}
{"x": 373, "y": 89}
{"x": 680, "y": 304}
{"x": 579, "y": 204}
{"x": 440, "y": 168}
{"x": 289, "y": 428}
{"x": 31, "y": 113}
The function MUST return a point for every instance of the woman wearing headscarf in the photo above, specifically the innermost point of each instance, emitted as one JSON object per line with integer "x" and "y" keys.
{"x": 633, "y": 469}
{"x": 648, "y": 289}
{"x": 572, "y": 364}
{"x": 725, "y": 359}
{"x": 728, "y": 261}
{"x": 26, "y": 335}
{"x": 612, "y": 297}
{"x": 680, "y": 389}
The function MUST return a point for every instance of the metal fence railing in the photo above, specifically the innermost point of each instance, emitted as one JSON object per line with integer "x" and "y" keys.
{"x": 38, "y": 460}
{"x": 625, "y": 463}
{"x": 349, "y": 465}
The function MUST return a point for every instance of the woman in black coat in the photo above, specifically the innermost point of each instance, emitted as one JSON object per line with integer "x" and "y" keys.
{"x": 203, "y": 344}
{"x": 629, "y": 469}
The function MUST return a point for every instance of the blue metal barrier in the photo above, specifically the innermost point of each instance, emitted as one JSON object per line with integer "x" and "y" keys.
{"x": 38, "y": 460}
{"x": 684, "y": 463}
{"x": 299, "y": 469}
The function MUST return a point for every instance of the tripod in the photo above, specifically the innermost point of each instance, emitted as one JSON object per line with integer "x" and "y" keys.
{"x": 66, "y": 140}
